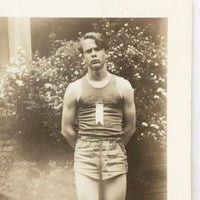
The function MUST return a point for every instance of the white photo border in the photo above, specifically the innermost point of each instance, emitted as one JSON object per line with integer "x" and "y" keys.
{"x": 179, "y": 14}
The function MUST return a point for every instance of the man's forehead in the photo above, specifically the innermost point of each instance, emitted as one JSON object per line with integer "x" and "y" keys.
{"x": 88, "y": 43}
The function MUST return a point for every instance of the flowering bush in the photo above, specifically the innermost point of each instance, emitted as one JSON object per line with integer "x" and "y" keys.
{"x": 32, "y": 94}
{"x": 141, "y": 58}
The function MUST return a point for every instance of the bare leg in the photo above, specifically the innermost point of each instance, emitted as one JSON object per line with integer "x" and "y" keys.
{"x": 86, "y": 187}
{"x": 115, "y": 188}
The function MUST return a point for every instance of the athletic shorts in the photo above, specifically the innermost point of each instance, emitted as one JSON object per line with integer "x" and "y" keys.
{"x": 100, "y": 158}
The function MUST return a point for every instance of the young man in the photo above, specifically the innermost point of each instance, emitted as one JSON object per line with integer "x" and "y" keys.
{"x": 103, "y": 106}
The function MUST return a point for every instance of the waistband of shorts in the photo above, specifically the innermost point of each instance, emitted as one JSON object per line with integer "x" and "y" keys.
{"x": 98, "y": 137}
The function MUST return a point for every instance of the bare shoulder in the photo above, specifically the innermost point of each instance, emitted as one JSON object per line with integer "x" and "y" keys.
{"x": 124, "y": 86}
{"x": 123, "y": 83}
{"x": 74, "y": 86}
{"x": 73, "y": 90}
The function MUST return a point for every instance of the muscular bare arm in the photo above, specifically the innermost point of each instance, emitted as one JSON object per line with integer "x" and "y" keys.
{"x": 129, "y": 111}
{"x": 69, "y": 116}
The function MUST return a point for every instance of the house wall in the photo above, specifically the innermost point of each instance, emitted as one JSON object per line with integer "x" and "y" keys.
{"x": 19, "y": 36}
{"x": 14, "y": 33}
{"x": 4, "y": 46}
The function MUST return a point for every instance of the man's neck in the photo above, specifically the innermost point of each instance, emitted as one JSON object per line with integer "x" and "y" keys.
{"x": 99, "y": 83}
{"x": 98, "y": 75}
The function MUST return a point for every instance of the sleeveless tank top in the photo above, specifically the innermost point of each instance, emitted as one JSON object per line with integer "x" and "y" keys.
{"x": 99, "y": 110}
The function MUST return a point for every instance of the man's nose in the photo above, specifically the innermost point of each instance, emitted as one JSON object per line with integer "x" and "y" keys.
{"x": 93, "y": 52}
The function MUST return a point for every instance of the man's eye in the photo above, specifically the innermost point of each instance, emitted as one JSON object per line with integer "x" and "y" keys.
{"x": 88, "y": 51}
{"x": 98, "y": 49}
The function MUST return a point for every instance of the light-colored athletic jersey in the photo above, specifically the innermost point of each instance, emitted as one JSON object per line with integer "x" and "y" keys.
{"x": 99, "y": 110}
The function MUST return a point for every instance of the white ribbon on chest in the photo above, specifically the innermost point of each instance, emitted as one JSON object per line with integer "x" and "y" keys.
{"x": 99, "y": 113}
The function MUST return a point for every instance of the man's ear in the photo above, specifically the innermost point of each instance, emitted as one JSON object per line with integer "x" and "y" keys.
{"x": 81, "y": 55}
{"x": 83, "y": 61}
{"x": 106, "y": 51}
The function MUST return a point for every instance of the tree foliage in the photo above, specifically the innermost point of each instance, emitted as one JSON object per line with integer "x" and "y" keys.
{"x": 32, "y": 94}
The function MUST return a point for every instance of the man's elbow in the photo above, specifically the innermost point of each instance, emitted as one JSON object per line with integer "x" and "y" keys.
{"x": 130, "y": 131}
{"x": 133, "y": 129}
{"x": 67, "y": 132}
{"x": 63, "y": 133}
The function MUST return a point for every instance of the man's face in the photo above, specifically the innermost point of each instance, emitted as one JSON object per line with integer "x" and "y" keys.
{"x": 94, "y": 56}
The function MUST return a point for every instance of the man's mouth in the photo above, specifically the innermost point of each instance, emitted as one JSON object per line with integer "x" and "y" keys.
{"x": 95, "y": 61}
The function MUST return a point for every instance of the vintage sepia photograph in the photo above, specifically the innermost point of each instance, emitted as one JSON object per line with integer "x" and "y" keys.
{"x": 83, "y": 108}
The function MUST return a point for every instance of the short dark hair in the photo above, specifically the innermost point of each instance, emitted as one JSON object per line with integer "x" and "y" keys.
{"x": 97, "y": 37}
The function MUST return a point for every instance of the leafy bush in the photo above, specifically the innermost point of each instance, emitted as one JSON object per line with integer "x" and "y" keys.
{"x": 141, "y": 57}
{"x": 32, "y": 94}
